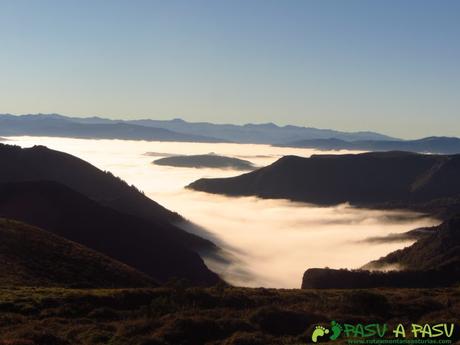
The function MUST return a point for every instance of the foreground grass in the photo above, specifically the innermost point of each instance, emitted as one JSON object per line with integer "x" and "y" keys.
{"x": 193, "y": 316}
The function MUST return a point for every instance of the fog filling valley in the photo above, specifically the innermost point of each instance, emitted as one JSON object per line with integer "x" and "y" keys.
{"x": 268, "y": 243}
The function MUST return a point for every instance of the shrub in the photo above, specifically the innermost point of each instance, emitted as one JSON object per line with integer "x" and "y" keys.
{"x": 243, "y": 338}
{"x": 103, "y": 314}
{"x": 365, "y": 302}
{"x": 276, "y": 321}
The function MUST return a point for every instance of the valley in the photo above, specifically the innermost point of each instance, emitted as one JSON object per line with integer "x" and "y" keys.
{"x": 261, "y": 242}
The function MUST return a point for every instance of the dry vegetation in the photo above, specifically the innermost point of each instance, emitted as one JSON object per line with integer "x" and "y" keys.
{"x": 193, "y": 316}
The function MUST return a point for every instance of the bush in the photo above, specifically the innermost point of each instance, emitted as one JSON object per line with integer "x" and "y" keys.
{"x": 365, "y": 302}
{"x": 48, "y": 339}
{"x": 103, "y": 314}
{"x": 195, "y": 330}
{"x": 190, "y": 331}
{"x": 243, "y": 338}
{"x": 276, "y": 321}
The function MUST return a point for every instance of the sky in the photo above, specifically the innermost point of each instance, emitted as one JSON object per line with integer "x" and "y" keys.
{"x": 388, "y": 66}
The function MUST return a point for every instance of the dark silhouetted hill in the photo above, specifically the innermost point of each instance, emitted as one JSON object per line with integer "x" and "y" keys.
{"x": 394, "y": 179}
{"x": 30, "y": 256}
{"x": 143, "y": 245}
{"x": 205, "y": 161}
{"x": 437, "y": 145}
{"x": 60, "y": 126}
{"x": 40, "y": 163}
{"x": 326, "y": 278}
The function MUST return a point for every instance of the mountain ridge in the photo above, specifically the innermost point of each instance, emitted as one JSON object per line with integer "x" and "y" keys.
{"x": 131, "y": 240}
{"x": 268, "y": 133}
{"x": 40, "y": 164}
{"x": 254, "y": 133}
{"x": 60, "y": 126}
{"x": 375, "y": 179}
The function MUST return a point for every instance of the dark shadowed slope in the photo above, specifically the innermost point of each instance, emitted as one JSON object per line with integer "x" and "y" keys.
{"x": 432, "y": 261}
{"x": 129, "y": 239}
{"x": 41, "y": 163}
{"x": 437, "y": 145}
{"x": 59, "y": 126}
{"x": 440, "y": 250}
{"x": 205, "y": 161}
{"x": 30, "y": 256}
{"x": 393, "y": 178}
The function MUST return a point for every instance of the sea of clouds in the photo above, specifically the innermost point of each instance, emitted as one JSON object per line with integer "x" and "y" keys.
{"x": 266, "y": 243}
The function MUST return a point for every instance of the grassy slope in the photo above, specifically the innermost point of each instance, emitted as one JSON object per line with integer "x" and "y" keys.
{"x": 218, "y": 315}
{"x": 31, "y": 256}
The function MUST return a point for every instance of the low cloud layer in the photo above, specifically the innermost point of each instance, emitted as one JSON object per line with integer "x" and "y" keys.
{"x": 272, "y": 242}
{"x": 265, "y": 242}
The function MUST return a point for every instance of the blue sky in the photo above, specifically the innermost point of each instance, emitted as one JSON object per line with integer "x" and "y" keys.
{"x": 389, "y": 66}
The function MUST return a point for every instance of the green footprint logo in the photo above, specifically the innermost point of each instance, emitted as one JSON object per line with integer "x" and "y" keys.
{"x": 318, "y": 332}
{"x": 336, "y": 330}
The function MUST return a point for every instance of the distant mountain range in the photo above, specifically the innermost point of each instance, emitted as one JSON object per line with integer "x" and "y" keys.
{"x": 74, "y": 200}
{"x": 267, "y": 133}
{"x": 368, "y": 179}
{"x": 61, "y": 126}
{"x": 437, "y": 145}
{"x": 56, "y": 125}
{"x": 168, "y": 130}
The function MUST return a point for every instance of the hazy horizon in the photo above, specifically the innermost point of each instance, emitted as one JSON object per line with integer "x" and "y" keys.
{"x": 277, "y": 123}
